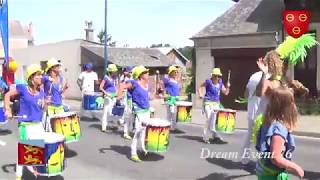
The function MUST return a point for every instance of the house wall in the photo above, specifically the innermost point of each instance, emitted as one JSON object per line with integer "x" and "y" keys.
{"x": 316, "y": 27}
{"x": 14, "y": 43}
{"x": 205, "y": 61}
{"x": 67, "y": 51}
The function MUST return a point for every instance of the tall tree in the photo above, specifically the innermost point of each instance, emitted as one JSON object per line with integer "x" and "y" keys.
{"x": 101, "y": 37}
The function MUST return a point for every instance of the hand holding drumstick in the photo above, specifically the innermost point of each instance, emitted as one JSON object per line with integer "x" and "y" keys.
{"x": 228, "y": 81}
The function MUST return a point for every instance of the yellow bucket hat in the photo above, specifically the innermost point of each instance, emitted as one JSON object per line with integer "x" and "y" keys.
{"x": 33, "y": 68}
{"x": 112, "y": 68}
{"x": 171, "y": 69}
{"x": 216, "y": 71}
{"x": 138, "y": 70}
{"x": 52, "y": 62}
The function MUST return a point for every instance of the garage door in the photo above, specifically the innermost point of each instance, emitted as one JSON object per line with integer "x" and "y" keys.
{"x": 242, "y": 63}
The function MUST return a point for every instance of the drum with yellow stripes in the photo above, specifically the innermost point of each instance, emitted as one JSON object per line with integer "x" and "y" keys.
{"x": 226, "y": 119}
{"x": 157, "y": 135}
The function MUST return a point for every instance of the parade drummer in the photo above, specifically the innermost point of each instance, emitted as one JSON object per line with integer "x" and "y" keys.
{"x": 213, "y": 87}
{"x": 141, "y": 106}
{"x": 87, "y": 79}
{"x": 54, "y": 86}
{"x": 109, "y": 88}
{"x": 172, "y": 91}
{"x": 32, "y": 104}
{"x": 128, "y": 116}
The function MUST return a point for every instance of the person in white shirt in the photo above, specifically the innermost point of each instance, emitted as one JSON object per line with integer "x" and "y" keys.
{"x": 253, "y": 104}
{"x": 87, "y": 79}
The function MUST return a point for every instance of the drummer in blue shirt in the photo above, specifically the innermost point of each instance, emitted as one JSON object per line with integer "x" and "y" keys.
{"x": 213, "y": 88}
{"x": 139, "y": 89}
{"x": 54, "y": 87}
{"x": 32, "y": 105}
{"x": 172, "y": 89}
{"x": 109, "y": 88}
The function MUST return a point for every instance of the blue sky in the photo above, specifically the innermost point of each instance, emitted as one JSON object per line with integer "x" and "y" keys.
{"x": 138, "y": 23}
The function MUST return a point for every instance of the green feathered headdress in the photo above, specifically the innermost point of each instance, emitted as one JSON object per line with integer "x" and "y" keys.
{"x": 295, "y": 49}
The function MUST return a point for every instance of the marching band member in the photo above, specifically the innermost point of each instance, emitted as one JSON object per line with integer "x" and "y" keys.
{"x": 213, "y": 87}
{"x": 141, "y": 106}
{"x": 109, "y": 88}
{"x": 32, "y": 103}
{"x": 172, "y": 89}
{"x": 54, "y": 87}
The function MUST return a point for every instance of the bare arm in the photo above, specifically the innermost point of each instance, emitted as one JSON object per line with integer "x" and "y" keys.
{"x": 123, "y": 87}
{"x": 225, "y": 90}
{"x": 101, "y": 88}
{"x": 277, "y": 144}
{"x": 7, "y": 107}
{"x": 201, "y": 90}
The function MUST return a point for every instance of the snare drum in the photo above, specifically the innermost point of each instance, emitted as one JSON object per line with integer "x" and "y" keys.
{"x": 93, "y": 101}
{"x": 184, "y": 111}
{"x": 157, "y": 135}
{"x": 47, "y": 154}
{"x": 54, "y": 155}
{"x": 225, "y": 122}
{"x": 67, "y": 124}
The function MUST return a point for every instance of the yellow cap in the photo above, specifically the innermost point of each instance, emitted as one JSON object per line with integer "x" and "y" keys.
{"x": 138, "y": 70}
{"x": 216, "y": 71}
{"x": 171, "y": 69}
{"x": 52, "y": 62}
{"x": 112, "y": 68}
{"x": 33, "y": 68}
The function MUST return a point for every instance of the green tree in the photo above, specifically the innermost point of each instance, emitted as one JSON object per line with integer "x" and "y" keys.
{"x": 187, "y": 52}
{"x": 101, "y": 37}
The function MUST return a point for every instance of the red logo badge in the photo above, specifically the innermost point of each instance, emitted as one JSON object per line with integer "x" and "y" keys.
{"x": 297, "y": 22}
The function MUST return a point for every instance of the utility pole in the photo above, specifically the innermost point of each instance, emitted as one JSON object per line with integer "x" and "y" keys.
{"x": 105, "y": 38}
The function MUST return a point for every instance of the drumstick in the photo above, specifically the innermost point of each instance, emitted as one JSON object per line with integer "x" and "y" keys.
{"x": 229, "y": 74}
{"x": 157, "y": 81}
{"x": 23, "y": 116}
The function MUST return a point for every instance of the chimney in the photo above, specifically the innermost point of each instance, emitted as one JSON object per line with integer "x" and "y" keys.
{"x": 89, "y": 31}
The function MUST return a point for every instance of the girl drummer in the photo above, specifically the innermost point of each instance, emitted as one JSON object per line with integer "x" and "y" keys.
{"x": 32, "y": 104}
{"x": 141, "y": 106}
{"x": 172, "y": 88}
{"x": 128, "y": 116}
{"x": 53, "y": 87}
{"x": 109, "y": 89}
{"x": 213, "y": 87}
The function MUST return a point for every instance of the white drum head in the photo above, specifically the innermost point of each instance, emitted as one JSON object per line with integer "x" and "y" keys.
{"x": 228, "y": 110}
{"x": 184, "y": 103}
{"x": 158, "y": 122}
{"x": 51, "y": 137}
{"x": 64, "y": 114}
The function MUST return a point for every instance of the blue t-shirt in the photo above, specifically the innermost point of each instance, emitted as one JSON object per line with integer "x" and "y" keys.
{"x": 213, "y": 90}
{"x": 56, "y": 89}
{"x": 30, "y": 105}
{"x": 109, "y": 85}
{"x": 140, "y": 95}
{"x": 172, "y": 86}
{"x": 264, "y": 138}
{"x": 129, "y": 95}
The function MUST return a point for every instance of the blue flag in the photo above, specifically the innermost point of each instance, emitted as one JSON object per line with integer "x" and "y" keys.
{"x": 4, "y": 29}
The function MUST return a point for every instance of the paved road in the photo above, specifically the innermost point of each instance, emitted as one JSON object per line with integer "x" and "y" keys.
{"x": 106, "y": 155}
